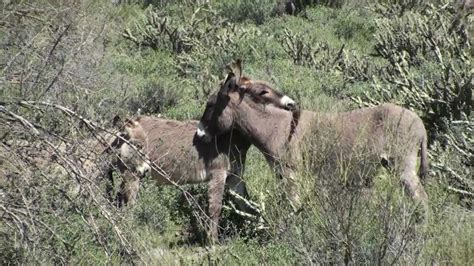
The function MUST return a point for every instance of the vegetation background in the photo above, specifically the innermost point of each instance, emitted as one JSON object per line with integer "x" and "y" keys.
{"x": 70, "y": 69}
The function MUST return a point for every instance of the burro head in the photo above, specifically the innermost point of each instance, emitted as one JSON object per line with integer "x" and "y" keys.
{"x": 223, "y": 107}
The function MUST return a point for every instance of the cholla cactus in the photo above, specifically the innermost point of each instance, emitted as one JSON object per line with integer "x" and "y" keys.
{"x": 429, "y": 65}
{"x": 158, "y": 31}
{"x": 310, "y": 52}
{"x": 190, "y": 41}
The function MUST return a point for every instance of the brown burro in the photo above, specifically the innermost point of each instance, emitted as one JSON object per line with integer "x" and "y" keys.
{"x": 173, "y": 153}
{"x": 386, "y": 131}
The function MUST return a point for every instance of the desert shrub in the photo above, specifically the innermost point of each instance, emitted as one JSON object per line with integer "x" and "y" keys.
{"x": 254, "y": 252}
{"x": 158, "y": 31}
{"x": 65, "y": 60}
{"x": 338, "y": 64}
{"x": 54, "y": 201}
{"x": 158, "y": 99}
{"x": 157, "y": 3}
{"x": 334, "y": 66}
{"x": 351, "y": 25}
{"x": 54, "y": 205}
{"x": 242, "y": 10}
{"x": 151, "y": 210}
{"x": 294, "y": 7}
{"x": 449, "y": 239}
{"x": 308, "y": 52}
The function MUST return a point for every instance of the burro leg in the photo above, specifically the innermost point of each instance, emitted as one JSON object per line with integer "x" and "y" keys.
{"x": 411, "y": 183}
{"x": 290, "y": 183}
{"x": 129, "y": 188}
{"x": 217, "y": 179}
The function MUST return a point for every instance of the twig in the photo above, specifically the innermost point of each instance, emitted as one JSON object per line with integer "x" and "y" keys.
{"x": 25, "y": 122}
{"x": 51, "y": 51}
{"x": 460, "y": 191}
{"x": 453, "y": 173}
{"x": 251, "y": 205}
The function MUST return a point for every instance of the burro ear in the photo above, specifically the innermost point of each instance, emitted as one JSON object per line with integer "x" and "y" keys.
{"x": 228, "y": 84}
{"x": 236, "y": 68}
{"x": 234, "y": 76}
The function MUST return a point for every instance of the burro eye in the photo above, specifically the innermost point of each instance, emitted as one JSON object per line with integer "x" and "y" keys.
{"x": 263, "y": 92}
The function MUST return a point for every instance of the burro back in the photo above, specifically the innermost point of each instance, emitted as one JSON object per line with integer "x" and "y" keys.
{"x": 171, "y": 146}
{"x": 387, "y": 134}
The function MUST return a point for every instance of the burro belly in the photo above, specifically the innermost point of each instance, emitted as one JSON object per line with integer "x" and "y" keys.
{"x": 188, "y": 170}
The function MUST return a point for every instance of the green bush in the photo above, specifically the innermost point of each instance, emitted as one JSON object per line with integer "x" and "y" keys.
{"x": 242, "y": 10}
{"x": 351, "y": 24}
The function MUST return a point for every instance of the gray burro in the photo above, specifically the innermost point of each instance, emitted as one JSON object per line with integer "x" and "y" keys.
{"x": 387, "y": 133}
{"x": 174, "y": 154}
